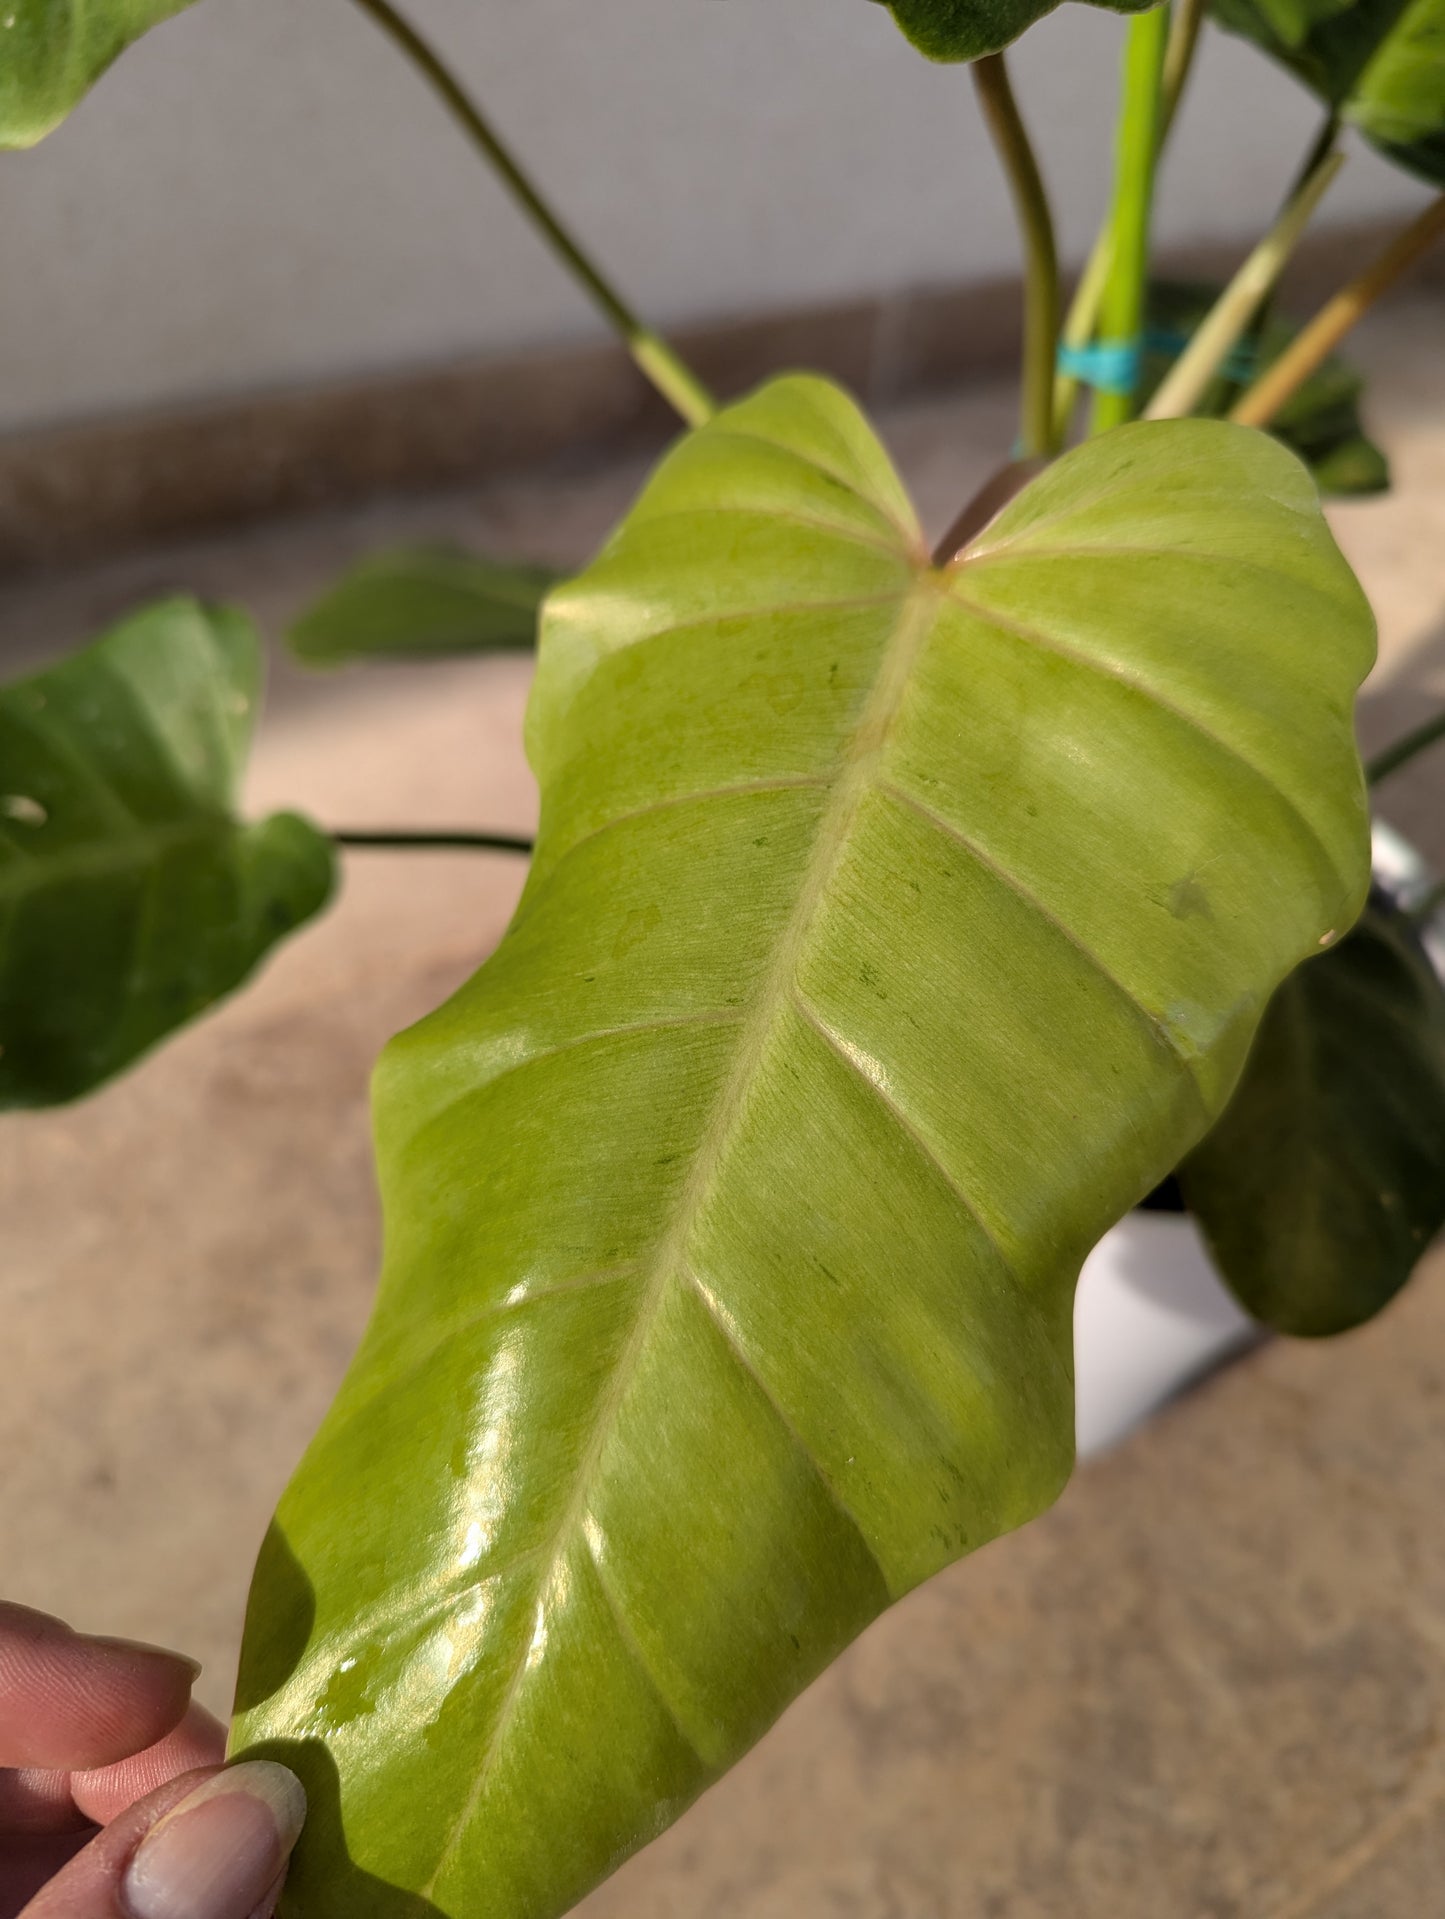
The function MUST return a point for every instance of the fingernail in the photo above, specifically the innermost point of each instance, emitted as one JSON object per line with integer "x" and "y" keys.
{"x": 146, "y": 1651}
{"x": 219, "y": 1852}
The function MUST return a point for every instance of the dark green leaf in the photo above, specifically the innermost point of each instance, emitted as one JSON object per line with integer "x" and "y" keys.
{"x": 1399, "y": 103}
{"x": 1325, "y": 1180}
{"x": 968, "y": 29}
{"x": 1320, "y": 422}
{"x": 892, "y": 930}
{"x": 1380, "y": 62}
{"x": 1354, "y": 465}
{"x": 131, "y": 898}
{"x": 53, "y": 51}
{"x": 420, "y": 600}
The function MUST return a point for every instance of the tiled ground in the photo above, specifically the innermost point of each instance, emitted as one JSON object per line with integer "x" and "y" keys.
{"x": 1211, "y": 1685}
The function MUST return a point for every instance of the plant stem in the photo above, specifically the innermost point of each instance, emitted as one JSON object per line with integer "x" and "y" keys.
{"x": 1404, "y": 749}
{"x": 1323, "y": 143}
{"x": 989, "y": 501}
{"x": 1187, "y": 381}
{"x": 1314, "y": 344}
{"x": 672, "y": 377}
{"x": 1083, "y": 318}
{"x": 1321, "y": 147}
{"x": 434, "y": 842}
{"x": 1186, "y": 19}
{"x": 1041, "y": 260}
{"x": 1121, "y": 307}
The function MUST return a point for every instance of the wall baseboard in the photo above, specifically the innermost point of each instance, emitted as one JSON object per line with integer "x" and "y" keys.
{"x": 78, "y": 492}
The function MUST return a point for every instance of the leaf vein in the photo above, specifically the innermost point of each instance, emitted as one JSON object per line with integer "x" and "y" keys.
{"x": 669, "y": 1252}
{"x": 722, "y": 1321}
{"x": 674, "y": 1022}
{"x": 97, "y": 857}
{"x": 1157, "y": 1029}
{"x": 839, "y": 1047}
{"x": 628, "y": 1635}
{"x": 1112, "y": 549}
{"x": 815, "y": 522}
{"x": 1103, "y": 669}
{"x": 909, "y": 534}
{"x": 732, "y": 615}
{"x": 494, "y": 1309}
{"x": 800, "y": 782}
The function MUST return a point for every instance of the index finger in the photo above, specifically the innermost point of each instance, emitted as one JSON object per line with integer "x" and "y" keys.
{"x": 73, "y": 1703}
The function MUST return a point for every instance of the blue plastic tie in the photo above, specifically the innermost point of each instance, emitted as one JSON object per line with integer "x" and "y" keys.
{"x": 1240, "y": 367}
{"x": 1110, "y": 366}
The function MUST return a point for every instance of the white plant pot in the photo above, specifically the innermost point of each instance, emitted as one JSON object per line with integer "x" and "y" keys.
{"x": 1151, "y": 1318}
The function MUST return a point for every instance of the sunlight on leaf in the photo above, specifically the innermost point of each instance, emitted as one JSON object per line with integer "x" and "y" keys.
{"x": 892, "y": 930}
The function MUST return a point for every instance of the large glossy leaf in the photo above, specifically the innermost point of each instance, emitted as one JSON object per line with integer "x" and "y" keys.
{"x": 891, "y": 931}
{"x": 968, "y": 29}
{"x": 131, "y": 897}
{"x": 422, "y": 600}
{"x": 1320, "y": 421}
{"x": 1325, "y": 1181}
{"x": 1381, "y": 62}
{"x": 53, "y": 51}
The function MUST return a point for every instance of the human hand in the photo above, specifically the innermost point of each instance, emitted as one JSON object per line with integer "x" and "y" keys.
{"x": 113, "y": 1803}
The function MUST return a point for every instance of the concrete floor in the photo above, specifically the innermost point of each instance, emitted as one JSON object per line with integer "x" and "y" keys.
{"x": 1210, "y": 1685}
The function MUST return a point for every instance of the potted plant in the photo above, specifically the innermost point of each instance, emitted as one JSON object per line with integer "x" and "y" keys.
{"x": 901, "y": 917}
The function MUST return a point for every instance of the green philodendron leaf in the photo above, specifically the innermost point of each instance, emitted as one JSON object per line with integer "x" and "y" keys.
{"x": 131, "y": 897}
{"x": 1399, "y": 103}
{"x": 53, "y": 51}
{"x": 1380, "y": 62}
{"x": 1325, "y": 1181}
{"x": 968, "y": 29}
{"x": 891, "y": 931}
{"x": 1320, "y": 421}
{"x": 1352, "y": 466}
{"x": 422, "y": 600}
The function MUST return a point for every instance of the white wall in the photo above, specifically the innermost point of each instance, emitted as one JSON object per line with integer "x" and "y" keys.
{"x": 260, "y": 193}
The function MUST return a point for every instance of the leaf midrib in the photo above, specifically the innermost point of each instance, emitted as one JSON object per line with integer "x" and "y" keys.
{"x": 37, "y": 869}
{"x": 774, "y": 998}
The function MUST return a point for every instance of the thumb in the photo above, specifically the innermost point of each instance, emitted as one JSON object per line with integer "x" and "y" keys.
{"x": 199, "y": 1848}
